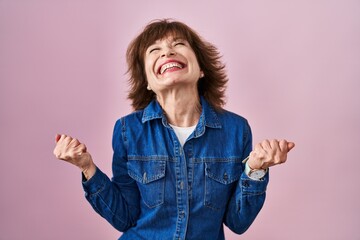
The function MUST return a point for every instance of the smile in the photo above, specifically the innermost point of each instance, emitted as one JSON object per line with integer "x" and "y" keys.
{"x": 170, "y": 66}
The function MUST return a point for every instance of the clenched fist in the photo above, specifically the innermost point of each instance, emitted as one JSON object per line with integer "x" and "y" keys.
{"x": 269, "y": 153}
{"x": 71, "y": 150}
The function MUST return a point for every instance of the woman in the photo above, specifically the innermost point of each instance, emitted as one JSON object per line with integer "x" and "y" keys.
{"x": 177, "y": 165}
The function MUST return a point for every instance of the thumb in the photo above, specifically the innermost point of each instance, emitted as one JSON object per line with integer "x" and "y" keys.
{"x": 290, "y": 146}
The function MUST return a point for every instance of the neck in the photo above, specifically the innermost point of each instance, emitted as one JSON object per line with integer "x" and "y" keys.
{"x": 182, "y": 108}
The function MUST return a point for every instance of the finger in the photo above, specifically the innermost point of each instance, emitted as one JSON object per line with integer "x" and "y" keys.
{"x": 74, "y": 142}
{"x": 286, "y": 146}
{"x": 59, "y": 143}
{"x": 265, "y": 144}
{"x": 290, "y": 146}
{"x": 283, "y": 145}
{"x": 66, "y": 139}
{"x": 274, "y": 144}
{"x": 57, "y": 138}
{"x": 81, "y": 148}
{"x": 62, "y": 137}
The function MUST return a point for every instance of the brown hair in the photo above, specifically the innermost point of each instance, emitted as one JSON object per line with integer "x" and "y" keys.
{"x": 211, "y": 86}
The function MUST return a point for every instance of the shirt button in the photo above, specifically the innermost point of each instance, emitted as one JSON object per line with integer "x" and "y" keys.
{"x": 225, "y": 177}
{"x": 245, "y": 184}
{"x": 181, "y": 185}
{"x": 181, "y": 214}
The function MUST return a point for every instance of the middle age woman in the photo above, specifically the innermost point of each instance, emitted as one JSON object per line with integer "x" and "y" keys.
{"x": 177, "y": 163}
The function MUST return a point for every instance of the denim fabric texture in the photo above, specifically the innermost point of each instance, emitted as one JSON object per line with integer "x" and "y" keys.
{"x": 162, "y": 190}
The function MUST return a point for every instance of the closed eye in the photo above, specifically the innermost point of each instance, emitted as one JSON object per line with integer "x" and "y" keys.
{"x": 154, "y": 49}
{"x": 179, "y": 43}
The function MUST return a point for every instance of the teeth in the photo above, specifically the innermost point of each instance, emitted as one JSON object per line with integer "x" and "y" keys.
{"x": 169, "y": 65}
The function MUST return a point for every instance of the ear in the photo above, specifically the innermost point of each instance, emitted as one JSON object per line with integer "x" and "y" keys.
{"x": 201, "y": 74}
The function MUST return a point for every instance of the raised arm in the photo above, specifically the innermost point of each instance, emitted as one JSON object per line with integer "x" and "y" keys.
{"x": 249, "y": 194}
{"x": 116, "y": 200}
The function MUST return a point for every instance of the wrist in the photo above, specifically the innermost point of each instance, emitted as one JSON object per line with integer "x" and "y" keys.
{"x": 254, "y": 165}
{"x": 89, "y": 169}
{"x": 89, "y": 172}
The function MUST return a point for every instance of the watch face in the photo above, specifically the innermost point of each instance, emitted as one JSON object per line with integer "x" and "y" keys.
{"x": 257, "y": 174}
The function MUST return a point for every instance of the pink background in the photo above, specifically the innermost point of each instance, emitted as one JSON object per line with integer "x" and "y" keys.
{"x": 294, "y": 69}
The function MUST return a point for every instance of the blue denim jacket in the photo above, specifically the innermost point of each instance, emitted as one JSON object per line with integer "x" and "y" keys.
{"x": 161, "y": 190}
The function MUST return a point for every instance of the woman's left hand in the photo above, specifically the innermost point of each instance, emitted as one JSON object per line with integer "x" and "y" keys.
{"x": 269, "y": 153}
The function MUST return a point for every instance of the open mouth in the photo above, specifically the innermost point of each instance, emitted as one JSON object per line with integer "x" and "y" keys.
{"x": 170, "y": 66}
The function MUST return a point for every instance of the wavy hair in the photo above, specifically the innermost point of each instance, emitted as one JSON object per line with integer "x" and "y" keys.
{"x": 212, "y": 86}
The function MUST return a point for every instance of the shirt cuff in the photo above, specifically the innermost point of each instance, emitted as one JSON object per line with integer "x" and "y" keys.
{"x": 253, "y": 187}
{"x": 96, "y": 183}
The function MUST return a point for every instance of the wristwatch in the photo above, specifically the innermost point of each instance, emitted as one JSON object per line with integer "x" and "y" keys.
{"x": 255, "y": 174}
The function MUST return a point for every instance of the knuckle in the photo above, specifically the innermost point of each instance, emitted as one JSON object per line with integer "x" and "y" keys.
{"x": 259, "y": 155}
{"x": 68, "y": 138}
{"x": 83, "y": 147}
{"x": 72, "y": 154}
{"x": 57, "y": 155}
{"x": 283, "y": 143}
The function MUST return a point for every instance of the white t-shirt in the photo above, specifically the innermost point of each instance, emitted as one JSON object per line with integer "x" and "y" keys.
{"x": 183, "y": 133}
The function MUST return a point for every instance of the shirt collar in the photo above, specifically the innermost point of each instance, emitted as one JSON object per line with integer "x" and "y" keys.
{"x": 208, "y": 115}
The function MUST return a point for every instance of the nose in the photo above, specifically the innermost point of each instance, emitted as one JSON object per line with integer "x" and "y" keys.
{"x": 167, "y": 52}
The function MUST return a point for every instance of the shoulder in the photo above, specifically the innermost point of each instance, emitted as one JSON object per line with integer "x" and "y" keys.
{"x": 235, "y": 125}
{"x": 228, "y": 117}
{"x": 133, "y": 118}
{"x": 136, "y": 115}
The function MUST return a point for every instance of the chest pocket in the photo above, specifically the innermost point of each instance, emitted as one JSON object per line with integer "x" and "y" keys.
{"x": 219, "y": 179}
{"x": 150, "y": 178}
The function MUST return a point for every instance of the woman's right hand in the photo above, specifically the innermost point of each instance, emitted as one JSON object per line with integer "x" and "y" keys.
{"x": 71, "y": 150}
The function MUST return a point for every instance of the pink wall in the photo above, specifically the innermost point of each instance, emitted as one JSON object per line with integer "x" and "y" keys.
{"x": 294, "y": 69}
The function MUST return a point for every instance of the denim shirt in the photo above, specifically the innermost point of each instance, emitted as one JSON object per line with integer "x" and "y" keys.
{"x": 162, "y": 190}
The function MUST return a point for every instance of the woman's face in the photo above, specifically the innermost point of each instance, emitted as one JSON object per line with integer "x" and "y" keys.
{"x": 171, "y": 62}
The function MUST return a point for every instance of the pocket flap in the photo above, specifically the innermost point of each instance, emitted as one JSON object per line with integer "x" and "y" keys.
{"x": 223, "y": 172}
{"x": 146, "y": 171}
